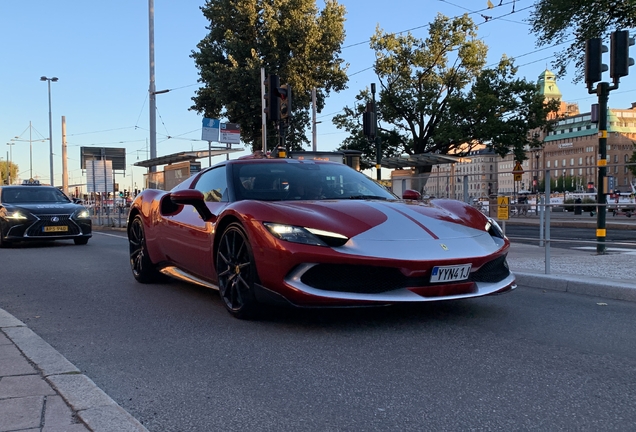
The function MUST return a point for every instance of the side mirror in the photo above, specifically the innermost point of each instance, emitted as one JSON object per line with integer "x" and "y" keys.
{"x": 411, "y": 194}
{"x": 194, "y": 198}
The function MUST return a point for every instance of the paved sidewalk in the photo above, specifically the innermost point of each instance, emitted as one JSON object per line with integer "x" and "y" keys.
{"x": 40, "y": 390}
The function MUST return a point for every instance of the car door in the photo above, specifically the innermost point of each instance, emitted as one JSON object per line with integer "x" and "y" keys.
{"x": 188, "y": 242}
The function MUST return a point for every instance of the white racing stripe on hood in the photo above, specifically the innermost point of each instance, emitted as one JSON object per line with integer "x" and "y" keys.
{"x": 402, "y": 237}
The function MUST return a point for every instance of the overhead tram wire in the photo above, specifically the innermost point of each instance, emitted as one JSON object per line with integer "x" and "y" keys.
{"x": 457, "y": 16}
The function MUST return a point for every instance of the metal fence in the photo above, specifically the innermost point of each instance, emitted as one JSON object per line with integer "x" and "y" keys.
{"x": 109, "y": 216}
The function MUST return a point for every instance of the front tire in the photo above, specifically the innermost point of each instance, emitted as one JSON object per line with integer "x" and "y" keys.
{"x": 80, "y": 240}
{"x": 143, "y": 269}
{"x": 236, "y": 272}
{"x": 4, "y": 243}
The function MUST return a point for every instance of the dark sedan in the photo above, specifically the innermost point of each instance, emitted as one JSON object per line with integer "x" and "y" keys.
{"x": 34, "y": 212}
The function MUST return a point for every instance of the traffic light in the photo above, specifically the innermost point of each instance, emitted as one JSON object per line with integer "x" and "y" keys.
{"x": 126, "y": 193}
{"x": 594, "y": 66}
{"x": 620, "y": 61}
{"x": 272, "y": 98}
{"x": 285, "y": 92}
{"x": 368, "y": 121}
{"x": 121, "y": 194}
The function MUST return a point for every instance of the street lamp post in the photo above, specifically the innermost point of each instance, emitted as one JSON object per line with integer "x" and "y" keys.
{"x": 54, "y": 79}
{"x": 10, "y": 162}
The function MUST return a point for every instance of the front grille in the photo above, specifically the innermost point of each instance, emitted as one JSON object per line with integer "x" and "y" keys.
{"x": 492, "y": 271}
{"x": 37, "y": 228}
{"x": 352, "y": 278}
{"x": 374, "y": 280}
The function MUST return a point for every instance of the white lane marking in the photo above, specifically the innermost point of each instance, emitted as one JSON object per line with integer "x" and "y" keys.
{"x": 623, "y": 251}
{"x": 110, "y": 235}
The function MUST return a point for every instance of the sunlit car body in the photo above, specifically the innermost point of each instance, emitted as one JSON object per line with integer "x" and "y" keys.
{"x": 240, "y": 227}
{"x": 34, "y": 212}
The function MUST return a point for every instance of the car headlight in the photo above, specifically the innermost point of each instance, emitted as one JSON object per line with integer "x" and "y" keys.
{"x": 17, "y": 215}
{"x": 493, "y": 228}
{"x": 310, "y": 236}
{"x": 82, "y": 214}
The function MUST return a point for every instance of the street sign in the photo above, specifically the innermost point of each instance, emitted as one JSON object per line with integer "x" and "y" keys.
{"x": 503, "y": 207}
{"x": 517, "y": 171}
{"x": 230, "y": 133}
{"x": 210, "y": 129}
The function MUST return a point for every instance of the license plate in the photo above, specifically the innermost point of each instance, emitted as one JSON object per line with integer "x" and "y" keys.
{"x": 450, "y": 273}
{"x": 55, "y": 228}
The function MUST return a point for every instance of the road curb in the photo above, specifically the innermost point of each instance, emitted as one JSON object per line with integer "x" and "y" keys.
{"x": 578, "y": 285}
{"x": 94, "y": 407}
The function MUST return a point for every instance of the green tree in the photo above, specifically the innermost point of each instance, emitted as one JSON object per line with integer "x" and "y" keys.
{"x": 574, "y": 21}
{"x": 436, "y": 97}
{"x": 6, "y": 168}
{"x": 290, "y": 38}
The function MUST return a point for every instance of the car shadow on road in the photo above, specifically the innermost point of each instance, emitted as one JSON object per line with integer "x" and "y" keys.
{"x": 434, "y": 313}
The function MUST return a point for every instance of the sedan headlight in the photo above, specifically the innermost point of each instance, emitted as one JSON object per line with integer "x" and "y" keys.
{"x": 17, "y": 215}
{"x": 82, "y": 214}
{"x": 310, "y": 236}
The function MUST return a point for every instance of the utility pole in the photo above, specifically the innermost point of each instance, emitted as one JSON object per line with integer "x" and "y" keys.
{"x": 263, "y": 113}
{"x": 378, "y": 141}
{"x": 152, "y": 92}
{"x": 314, "y": 138}
{"x": 64, "y": 158}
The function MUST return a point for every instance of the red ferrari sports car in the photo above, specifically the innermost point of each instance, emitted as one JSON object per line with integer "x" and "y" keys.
{"x": 312, "y": 234}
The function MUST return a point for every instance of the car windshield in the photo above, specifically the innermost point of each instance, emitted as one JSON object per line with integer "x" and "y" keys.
{"x": 288, "y": 181}
{"x": 33, "y": 194}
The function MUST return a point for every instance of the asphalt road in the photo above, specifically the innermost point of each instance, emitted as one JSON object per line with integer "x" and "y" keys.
{"x": 172, "y": 357}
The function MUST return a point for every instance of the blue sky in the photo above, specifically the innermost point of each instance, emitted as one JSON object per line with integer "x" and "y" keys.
{"x": 99, "y": 52}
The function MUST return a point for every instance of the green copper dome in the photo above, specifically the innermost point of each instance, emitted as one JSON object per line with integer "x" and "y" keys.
{"x": 547, "y": 85}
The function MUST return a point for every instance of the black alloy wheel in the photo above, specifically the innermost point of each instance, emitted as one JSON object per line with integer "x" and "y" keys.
{"x": 237, "y": 272}
{"x": 142, "y": 268}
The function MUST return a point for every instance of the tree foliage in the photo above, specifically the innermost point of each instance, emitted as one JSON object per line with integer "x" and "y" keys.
{"x": 574, "y": 21}
{"x": 290, "y": 38}
{"x": 6, "y": 168}
{"x": 436, "y": 96}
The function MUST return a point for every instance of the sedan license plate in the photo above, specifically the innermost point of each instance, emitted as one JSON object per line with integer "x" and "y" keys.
{"x": 55, "y": 228}
{"x": 450, "y": 273}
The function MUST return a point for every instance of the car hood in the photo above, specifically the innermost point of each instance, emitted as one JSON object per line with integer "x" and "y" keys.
{"x": 41, "y": 208}
{"x": 412, "y": 230}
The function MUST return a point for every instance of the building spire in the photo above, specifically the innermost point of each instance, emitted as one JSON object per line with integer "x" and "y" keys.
{"x": 548, "y": 86}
